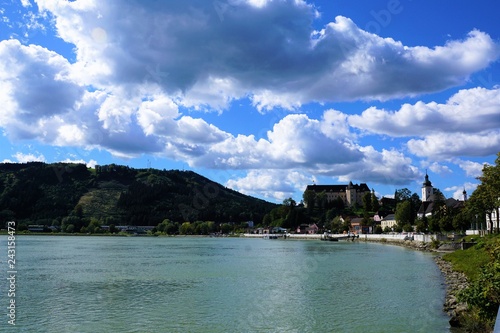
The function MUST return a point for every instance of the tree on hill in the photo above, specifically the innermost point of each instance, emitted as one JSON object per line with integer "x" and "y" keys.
{"x": 309, "y": 198}
{"x": 367, "y": 202}
{"x": 321, "y": 200}
{"x": 72, "y": 194}
{"x": 375, "y": 203}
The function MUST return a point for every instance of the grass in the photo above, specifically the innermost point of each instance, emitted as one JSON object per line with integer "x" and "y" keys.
{"x": 101, "y": 201}
{"x": 471, "y": 260}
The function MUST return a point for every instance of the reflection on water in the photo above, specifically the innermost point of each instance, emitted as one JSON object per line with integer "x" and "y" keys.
{"x": 139, "y": 284}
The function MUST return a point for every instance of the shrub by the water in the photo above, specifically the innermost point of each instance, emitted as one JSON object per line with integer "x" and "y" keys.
{"x": 481, "y": 264}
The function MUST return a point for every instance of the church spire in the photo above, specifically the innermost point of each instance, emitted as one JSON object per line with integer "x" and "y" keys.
{"x": 427, "y": 190}
{"x": 427, "y": 182}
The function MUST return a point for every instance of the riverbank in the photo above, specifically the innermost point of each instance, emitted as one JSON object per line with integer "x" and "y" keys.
{"x": 455, "y": 282}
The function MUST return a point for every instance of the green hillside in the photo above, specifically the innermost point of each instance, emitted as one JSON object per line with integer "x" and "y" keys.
{"x": 55, "y": 194}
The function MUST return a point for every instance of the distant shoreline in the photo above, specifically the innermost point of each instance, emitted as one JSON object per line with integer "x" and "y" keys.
{"x": 4, "y": 232}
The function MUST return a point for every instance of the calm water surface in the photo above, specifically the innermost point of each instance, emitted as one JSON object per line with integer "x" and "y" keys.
{"x": 146, "y": 284}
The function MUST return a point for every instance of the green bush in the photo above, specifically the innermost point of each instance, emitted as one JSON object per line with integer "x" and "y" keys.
{"x": 481, "y": 265}
{"x": 435, "y": 243}
{"x": 483, "y": 293}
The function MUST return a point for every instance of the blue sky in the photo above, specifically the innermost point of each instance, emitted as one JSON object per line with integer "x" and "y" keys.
{"x": 262, "y": 96}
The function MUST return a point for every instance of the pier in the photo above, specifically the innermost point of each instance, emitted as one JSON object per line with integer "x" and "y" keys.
{"x": 326, "y": 237}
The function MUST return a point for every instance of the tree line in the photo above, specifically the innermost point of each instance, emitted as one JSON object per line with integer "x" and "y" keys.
{"x": 72, "y": 197}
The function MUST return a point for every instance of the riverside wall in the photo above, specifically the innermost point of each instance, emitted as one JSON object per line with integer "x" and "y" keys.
{"x": 389, "y": 238}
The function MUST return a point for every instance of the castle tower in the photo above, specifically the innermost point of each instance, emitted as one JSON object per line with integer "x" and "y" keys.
{"x": 465, "y": 194}
{"x": 350, "y": 193}
{"x": 426, "y": 188}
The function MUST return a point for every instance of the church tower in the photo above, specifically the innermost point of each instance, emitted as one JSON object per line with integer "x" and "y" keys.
{"x": 426, "y": 189}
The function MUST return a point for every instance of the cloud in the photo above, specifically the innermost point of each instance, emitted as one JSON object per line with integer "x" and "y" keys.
{"x": 472, "y": 169}
{"x": 441, "y": 146}
{"x": 35, "y": 89}
{"x": 440, "y": 169}
{"x": 295, "y": 141}
{"x": 89, "y": 164}
{"x": 264, "y": 52}
{"x": 24, "y": 158}
{"x": 133, "y": 87}
{"x": 146, "y": 120}
{"x": 458, "y": 190}
{"x": 385, "y": 167}
{"x": 468, "y": 111}
{"x": 131, "y": 123}
{"x": 272, "y": 184}
{"x": 26, "y": 3}
{"x": 466, "y": 125}
{"x": 157, "y": 116}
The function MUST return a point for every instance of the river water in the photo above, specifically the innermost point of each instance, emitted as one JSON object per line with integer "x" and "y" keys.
{"x": 177, "y": 284}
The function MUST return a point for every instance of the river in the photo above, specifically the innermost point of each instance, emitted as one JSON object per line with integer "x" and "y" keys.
{"x": 183, "y": 284}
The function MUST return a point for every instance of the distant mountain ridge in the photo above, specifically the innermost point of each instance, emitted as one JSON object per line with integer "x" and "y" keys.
{"x": 40, "y": 193}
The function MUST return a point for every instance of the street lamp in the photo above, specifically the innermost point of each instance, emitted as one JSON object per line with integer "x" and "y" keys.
{"x": 476, "y": 224}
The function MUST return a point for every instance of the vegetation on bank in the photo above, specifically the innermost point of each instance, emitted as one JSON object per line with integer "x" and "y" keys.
{"x": 481, "y": 265}
{"x": 73, "y": 198}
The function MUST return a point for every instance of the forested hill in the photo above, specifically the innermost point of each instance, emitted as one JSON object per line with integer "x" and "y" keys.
{"x": 40, "y": 193}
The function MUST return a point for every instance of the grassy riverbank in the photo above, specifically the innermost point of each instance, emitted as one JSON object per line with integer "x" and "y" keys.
{"x": 481, "y": 265}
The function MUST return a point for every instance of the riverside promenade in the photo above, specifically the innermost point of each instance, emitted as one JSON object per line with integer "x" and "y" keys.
{"x": 396, "y": 237}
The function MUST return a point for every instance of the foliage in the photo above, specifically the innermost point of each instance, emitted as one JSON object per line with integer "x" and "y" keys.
{"x": 486, "y": 197}
{"x": 407, "y": 227}
{"x": 83, "y": 200}
{"x": 375, "y": 203}
{"x": 402, "y": 195}
{"x": 461, "y": 220}
{"x": 186, "y": 229}
{"x": 403, "y": 213}
{"x": 367, "y": 202}
{"x": 415, "y": 203}
{"x": 309, "y": 198}
{"x": 482, "y": 266}
{"x": 168, "y": 227}
{"x": 407, "y": 205}
{"x": 469, "y": 261}
{"x": 435, "y": 243}
{"x": 422, "y": 225}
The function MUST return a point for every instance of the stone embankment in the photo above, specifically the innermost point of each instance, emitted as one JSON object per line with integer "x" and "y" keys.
{"x": 455, "y": 282}
{"x": 415, "y": 245}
